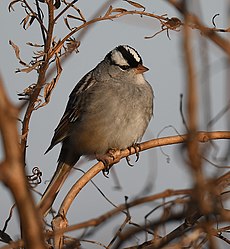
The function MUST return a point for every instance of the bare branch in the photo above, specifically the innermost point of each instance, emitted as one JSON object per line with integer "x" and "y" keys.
{"x": 13, "y": 175}
{"x": 201, "y": 137}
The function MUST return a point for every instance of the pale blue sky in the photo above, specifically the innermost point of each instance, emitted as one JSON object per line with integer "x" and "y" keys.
{"x": 162, "y": 56}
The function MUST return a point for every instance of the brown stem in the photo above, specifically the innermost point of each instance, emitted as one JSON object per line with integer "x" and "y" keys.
{"x": 13, "y": 175}
{"x": 40, "y": 82}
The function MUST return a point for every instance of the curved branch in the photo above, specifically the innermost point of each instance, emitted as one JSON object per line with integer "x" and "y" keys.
{"x": 201, "y": 137}
{"x": 221, "y": 183}
{"x": 99, "y": 19}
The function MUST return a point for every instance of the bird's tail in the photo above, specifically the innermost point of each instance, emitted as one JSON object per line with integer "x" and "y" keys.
{"x": 54, "y": 187}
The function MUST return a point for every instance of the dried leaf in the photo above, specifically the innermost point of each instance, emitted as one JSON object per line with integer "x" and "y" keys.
{"x": 120, "y": 10}
{"x": 67, "y": 23}
{"x": 50, "y": 86}
{"x": 48, "y": 90}
{"x": 37, "y": 104}
{"x": 27, "y": 21}
{"x": 109, "y": 11}
{"x": 57, "y": 4}
{"x": 75, "y": 17}
{"x": 31, "y": 20}
{"x": 16, "y": 49}
{"x": 57, "y": 48}
{"x": 59, "y": 68}
{"x": 38, "y": 54}
{"x": 135, "y": 4}
{"x": 173, "y": 23}
{"x": 28, "y": 69}
{"x": 81, "y": 15}
{"x": 34, "y": 45}
{"x": 72, "y": 45}
{"x": 27, "y": 91}
{"x": 10, "y": 7}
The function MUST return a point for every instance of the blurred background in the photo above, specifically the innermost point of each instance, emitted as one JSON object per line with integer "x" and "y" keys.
{"x": 158, "y": 169}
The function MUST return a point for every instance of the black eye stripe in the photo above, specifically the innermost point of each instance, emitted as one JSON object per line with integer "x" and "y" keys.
{"x": 129, "y": 57}
{"x": 124, "y": 67}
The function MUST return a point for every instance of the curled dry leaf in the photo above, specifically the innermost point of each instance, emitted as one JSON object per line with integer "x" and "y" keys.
{"x": 173, "y": 23}
{"x": 35, "y": 178}
{"x": 135, "y": 4}
{"x": 16, "y": 49}
{"x": 27, "y": 92}
{"x": 17, "y": 54}
{"x": 27, "y": 21}
{"x": 50, "y": 86}
{"x": 170, "y": 24}
{"x": 38, "y": 54}
{"x": 72, "y": 45}
{"x": 48, "y": 90}
{"x": 12, "y": 3}
{"x": 34, "y": 45}
{"x": 28, "y": 68}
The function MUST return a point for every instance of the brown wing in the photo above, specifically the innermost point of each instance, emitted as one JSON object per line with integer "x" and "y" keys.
{"x": 60, "y": 133}
{"x": 72, "y": 110}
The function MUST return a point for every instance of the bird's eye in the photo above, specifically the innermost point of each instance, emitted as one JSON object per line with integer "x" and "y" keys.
{"x": 124, "y": 67}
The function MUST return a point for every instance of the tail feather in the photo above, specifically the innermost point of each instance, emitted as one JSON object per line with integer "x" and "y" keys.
{"x": 54, "y": 187}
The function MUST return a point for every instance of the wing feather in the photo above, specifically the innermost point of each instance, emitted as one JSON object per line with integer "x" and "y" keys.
{"x": 72, "y": 111}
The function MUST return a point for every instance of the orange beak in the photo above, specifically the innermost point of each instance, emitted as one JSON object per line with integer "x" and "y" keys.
{"x": 141, "y": 69}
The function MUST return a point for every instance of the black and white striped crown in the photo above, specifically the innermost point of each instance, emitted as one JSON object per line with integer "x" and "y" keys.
{"x": 125, "y": 55}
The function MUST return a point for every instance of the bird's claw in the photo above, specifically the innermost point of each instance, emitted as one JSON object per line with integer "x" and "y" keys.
{"x": 137, "y": 149}
{"x": 105, "y": 172}
{"x": 108, "y": 160}
{"x": 128, "y": 161}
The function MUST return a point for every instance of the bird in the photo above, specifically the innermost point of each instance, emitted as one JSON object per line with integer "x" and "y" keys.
{"x": 109, "y": 108}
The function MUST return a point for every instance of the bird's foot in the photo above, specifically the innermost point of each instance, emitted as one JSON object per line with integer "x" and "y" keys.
{"x": 108, "y": 159}
{"x": 136, "y": 147}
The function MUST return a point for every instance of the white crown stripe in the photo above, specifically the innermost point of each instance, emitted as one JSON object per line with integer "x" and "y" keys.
{"x": 133, "y": 52}
{"x": 118, "y": 58}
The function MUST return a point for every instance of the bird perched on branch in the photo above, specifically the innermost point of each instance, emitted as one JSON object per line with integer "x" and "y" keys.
{"x": 109, "y": 108}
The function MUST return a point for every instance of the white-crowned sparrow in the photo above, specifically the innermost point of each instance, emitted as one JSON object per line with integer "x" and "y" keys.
{"x": 109, "y": 108}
